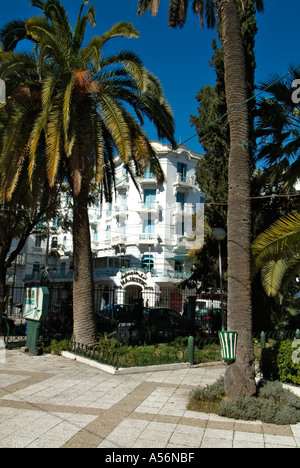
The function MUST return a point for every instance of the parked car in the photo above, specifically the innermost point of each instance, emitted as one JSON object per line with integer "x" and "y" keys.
{"x": 165, "y": 323}
{"x": 146, "y": 323}
{"x": 109, "y": 318}
{"x": 209, "y": 320}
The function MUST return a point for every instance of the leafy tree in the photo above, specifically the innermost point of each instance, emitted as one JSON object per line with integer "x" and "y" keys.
{"x": 89, "y": 106}
{"x": 19, "y": 218}
{"x": 239, "y": 378}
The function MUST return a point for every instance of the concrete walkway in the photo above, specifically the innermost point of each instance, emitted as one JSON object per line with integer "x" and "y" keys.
{"x": 50, "y": 401}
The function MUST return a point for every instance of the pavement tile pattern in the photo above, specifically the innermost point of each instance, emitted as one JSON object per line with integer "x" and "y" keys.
{"x": 52, "y": 402}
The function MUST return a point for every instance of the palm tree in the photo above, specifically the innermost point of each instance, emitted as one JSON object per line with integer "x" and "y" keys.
{"x": 276, "y": 253}
{"x": 240, "y": 376}
{"x": 278, "y": 121}
{"x": 89, "y": 107}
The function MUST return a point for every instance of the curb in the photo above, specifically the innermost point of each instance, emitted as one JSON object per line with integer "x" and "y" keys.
{"x": 125, "y": 370}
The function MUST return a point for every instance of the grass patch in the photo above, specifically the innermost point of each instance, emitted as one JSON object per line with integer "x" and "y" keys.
{"x": 272, "y": 404}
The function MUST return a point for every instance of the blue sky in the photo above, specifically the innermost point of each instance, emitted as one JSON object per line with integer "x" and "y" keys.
{"x": 180, "y": 58}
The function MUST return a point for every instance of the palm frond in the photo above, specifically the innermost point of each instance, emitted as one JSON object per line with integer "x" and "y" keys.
{"x": 81, "y": 24}
{"x": 56, "y": 13}
{"x": 145, "y": 6}
{"x": 279, "y": 241}
{"x": 68, "y": 139}
{"x": 113, "y": 115}
{"x": 177, "y": 13}
{"x": 12, "y": 33}
{"x": 272, "y": 274}
{"x": 53, "y": 143}
{"x": 121, "y": 29}
{"x": 43, "y": 33}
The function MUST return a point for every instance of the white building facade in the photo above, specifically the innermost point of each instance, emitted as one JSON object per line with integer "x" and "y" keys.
{"x": 140, "y": 241}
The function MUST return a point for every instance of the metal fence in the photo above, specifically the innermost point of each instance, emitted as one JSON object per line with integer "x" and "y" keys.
{"x": 59, "y": 323}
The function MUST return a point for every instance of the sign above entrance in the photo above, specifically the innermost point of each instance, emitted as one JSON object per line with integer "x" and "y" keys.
{"x": 133, "y": 277}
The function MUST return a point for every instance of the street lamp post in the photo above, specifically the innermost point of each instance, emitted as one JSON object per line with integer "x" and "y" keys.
{"x": 219, "y": 234}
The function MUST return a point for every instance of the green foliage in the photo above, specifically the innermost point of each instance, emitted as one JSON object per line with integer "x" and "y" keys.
{"x": 213, "y": 393}
{"x": 277, "y": 363}
{"x": 56, "y": 347}
{"x": 272, "y": 404}
{"x": 289, "y": 371}
{"x": 121, "y": 354}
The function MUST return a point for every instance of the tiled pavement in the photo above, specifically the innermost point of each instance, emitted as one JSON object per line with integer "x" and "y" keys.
{"x": 49, "y": 401}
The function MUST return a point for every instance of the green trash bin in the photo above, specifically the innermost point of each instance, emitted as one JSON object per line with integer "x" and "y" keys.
{"x": 228, "y": 340}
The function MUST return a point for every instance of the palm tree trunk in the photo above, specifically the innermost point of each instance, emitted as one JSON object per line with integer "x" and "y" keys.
{"x": 240, "y": 376}
{"x": 83, "y": 282}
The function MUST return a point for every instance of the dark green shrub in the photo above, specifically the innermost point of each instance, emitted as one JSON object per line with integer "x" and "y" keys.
{"x": 56, "y": 347}
{"x": 268, "y": 362}
{"x": 289, "y": 371}
{"x": 277, "y": 363}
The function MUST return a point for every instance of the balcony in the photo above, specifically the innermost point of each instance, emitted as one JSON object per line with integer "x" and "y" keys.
{"x": 148, "y": 239}
{"x": 120, "y": 211}
{"x": 119, "y": 240}
{"x": 122, "y": 184}
{"x": 100, "y": 273}
{"x": 186, "y": 208}
{"x": 148, "y": 207}
{"x": 171, "y": 274}
{"x": 148, "y": 179}
{"x": 184, "y": 183}
{"x": 181, "y": 244}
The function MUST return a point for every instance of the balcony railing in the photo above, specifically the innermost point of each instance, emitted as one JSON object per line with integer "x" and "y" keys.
{"x": 119, "y": 240}
{"x": 122, "y": 183}
{"x": 148, "y": 207}
{"x": 148, "y": 238}
{"x": 185, "y": 182}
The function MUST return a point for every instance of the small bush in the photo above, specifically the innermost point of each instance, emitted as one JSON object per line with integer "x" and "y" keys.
{"x": 273, "y": 404}
{"x": 277, "y": 363}
{"x": 56, "y": 347}
{"x": 207, "y": 399}
{"x": 289, "y": 371}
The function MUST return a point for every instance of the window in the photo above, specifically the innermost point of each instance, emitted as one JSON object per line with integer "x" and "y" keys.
{"x": 149, "y": 173}
{"x": 149, "y": 197}
{"x": 179, "y": 266}
{"x": 148, "y": 262}
{"x": 180, "y": 198}
{"x": 36, "y": 269}
{"x": 38, "y": 242}
{"x": 122, "y": 228}
{"x": 95, "y": 235}
{"x": 108, "y": 232}
{"x": 109, "y": 208}
{"x": 181, "y": 170}
{"x": 54, "y": 243}
{"x": 148, "y": 225}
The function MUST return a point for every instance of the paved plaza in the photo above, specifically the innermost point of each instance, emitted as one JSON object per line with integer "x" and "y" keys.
{"x": 53, "y": 402}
